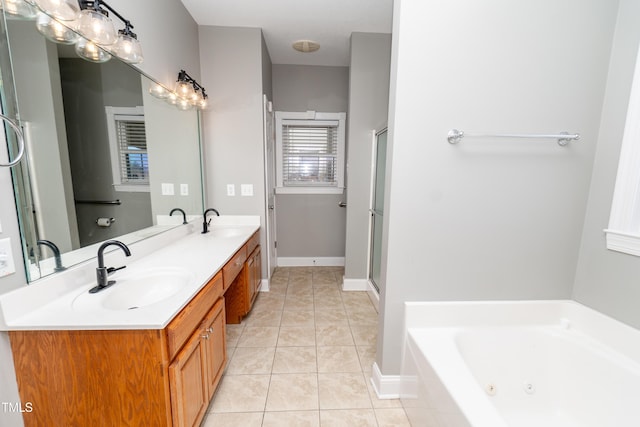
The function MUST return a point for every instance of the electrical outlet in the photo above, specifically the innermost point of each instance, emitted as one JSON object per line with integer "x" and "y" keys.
{"x": 184, "y": 189}
{"x": 246, "y": 189}
{"x": 7, "y": 266}
{"x": 0, "y": 228}
{"x": 231, "y": 190}
{"x": 167, "y": 189}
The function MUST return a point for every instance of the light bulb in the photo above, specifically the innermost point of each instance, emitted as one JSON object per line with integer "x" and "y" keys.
{"x": 97, "y": 27}
{"x": 64, "y": 10}
{"x": 172, "y": 98}
{"x": 19, "y": 9}
{"x": 128, "y": 48}
{"x": 88, "y": 50}
{"x": 55, "y": 31}
{"x": 158, "y": 91}
{"x": 184, "y": 89}
{"x": 184, "y": 104}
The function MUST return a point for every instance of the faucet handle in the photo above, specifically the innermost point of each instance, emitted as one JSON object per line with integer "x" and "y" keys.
{"x": 114, "y": 269}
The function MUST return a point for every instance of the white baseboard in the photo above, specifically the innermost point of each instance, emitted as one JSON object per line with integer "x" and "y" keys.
{"x": 385, "y": 386}
{"x": 354, "y": 284}
{"x": 264, "y": 285}
{"x": 310, "y": 261}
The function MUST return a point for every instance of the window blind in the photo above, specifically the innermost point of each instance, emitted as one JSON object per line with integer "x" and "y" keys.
{"x": 132, "y": 144}
{"x": 309, "y": 154}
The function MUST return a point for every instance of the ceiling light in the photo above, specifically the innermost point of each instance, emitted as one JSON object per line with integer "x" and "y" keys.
{"x": 306, "y": 46}
{"x": 189, "y": 91}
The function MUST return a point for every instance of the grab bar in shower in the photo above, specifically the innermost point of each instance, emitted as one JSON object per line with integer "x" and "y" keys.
{"x": 454, "y": 136}
{"x": 99, "y": 202}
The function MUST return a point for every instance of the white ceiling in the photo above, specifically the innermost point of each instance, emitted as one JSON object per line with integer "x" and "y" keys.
{"x": 328, "y": 22}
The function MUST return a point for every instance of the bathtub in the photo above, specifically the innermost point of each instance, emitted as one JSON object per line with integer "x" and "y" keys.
{"x": 518, "y": 364}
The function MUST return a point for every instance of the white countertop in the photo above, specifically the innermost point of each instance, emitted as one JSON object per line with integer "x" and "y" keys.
{"x": 48, "y": 304}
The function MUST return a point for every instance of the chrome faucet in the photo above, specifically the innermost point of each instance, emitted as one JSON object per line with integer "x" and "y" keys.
{"x": 205, "y": 224}
{"x": 184, "y": 215}
{"x": 102, "y": 272}
{"x": 56, "y": 253}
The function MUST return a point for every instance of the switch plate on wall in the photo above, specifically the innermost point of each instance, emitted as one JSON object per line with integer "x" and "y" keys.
{"x": 231, "y": 190}
{"x": 167, "y": 189}
{"x": 246, "y": 189}
{"x": 184, "y": 189}
{"x": 7, "y": 266}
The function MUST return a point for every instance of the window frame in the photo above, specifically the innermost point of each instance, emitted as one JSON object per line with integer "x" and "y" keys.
{"x": 623, "y": 232}
{"x": 310, "y": 117}
{"x": 114, "y": 148}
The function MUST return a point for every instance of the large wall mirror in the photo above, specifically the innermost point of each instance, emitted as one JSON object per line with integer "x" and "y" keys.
{"x": 105, "y": 159}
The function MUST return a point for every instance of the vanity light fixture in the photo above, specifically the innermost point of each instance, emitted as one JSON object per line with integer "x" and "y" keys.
{"x": 54, "y": 30}
{"x": 188, "y": 93}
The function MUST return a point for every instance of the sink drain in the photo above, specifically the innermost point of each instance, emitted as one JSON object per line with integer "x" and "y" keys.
{"x": 132, "y": 308}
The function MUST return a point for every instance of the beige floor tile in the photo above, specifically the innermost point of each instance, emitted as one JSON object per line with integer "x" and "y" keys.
{"x": 241, "y": 393}
{"x": 233, "y": 333}
{"x": 380, "y": 403}
{"x": 290, "y": 360}
{"x": 367, "y": 355}
{"x": 268, "y": 301}
{"x": 259, "y": 336}
{"x": 392, "y": 417}
{"x": 265, "y": 317}
{"x": 338, "y": 359}
{"x": 292, "y": 392}
{"x": 322, "y": 302}
{"x": 291, "y": 419}
{"x": 343, "y": 391}
{"x": 330, "y": 335}
{"x": 331, "y": 317}
{"x": 279, "y": 289}
{"x": 294, "y": 336}
{"x": 348, "y": 418}
{"x": 298, "y": 303}
{"x": 244, "y": 419}
{"x": 362, "y": 317}
{"x": 251, "y": 360}
{"x": 298, "y": 318}
{"x": 365, "y": 335}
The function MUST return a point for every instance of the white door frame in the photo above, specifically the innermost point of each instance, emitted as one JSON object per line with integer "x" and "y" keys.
{"x": 269, "y": 179}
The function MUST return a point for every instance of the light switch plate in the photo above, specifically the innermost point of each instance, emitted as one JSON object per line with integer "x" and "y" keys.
{"x": 7, "y": 266}
{"x": 184, "y": 189}
{"x": 231, "y": 190}
{"x": 167, "y": 189}
{"x": 246, "y": 189}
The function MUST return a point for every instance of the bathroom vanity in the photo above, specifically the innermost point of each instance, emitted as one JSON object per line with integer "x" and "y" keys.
{"x": 83, "y": 361}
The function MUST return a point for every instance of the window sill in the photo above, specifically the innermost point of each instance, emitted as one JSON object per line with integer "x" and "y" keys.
{"x": 623, "y": 242}
{"x": 309, "y": 190}
{"x": 123, "y": 188}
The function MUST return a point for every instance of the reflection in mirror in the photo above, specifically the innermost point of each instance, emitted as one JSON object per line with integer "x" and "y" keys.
{"x": 101, "y": 152}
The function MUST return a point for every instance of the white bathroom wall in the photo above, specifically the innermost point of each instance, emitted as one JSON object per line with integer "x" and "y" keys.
{"x": 368, "y": 108}
{"x": 608, "y": 280}
{"x": 488, "y": 218}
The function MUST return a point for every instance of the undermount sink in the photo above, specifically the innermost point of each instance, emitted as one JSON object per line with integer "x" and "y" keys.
{"x": 137, "y": 290}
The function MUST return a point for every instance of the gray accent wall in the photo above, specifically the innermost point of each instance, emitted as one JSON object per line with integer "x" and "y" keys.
{"x": 488, "y": 219}
{"x": 606, "y": 280}
{"x": 310, "y": 225}
{"x": 368, "y": 108}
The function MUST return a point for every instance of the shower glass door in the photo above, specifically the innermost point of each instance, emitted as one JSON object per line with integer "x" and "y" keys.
{"x": 377, "y": 208}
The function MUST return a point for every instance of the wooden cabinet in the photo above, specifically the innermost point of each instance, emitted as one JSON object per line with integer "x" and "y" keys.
{"x": 196, "y": 370}
{"x": 125, "y": 377}
{"x": 242, "y": 292}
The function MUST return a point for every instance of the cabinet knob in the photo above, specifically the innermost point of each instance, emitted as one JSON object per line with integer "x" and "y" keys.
{"x": 210, "y": 330}
{"x": 205, "y": 336}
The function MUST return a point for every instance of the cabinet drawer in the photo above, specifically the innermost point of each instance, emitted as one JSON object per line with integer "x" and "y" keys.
{"x": 182, "y": 326}
{"x": 234, "y": 266}
{"x": 253, "y": 242}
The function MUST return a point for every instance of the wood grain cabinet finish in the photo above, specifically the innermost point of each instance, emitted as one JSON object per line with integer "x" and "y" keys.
{"x": 241, "y": 293}
{"x": 125, "y": 377}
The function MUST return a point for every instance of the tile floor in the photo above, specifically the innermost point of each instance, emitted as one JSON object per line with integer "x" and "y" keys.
{"x": 303, "y": 357}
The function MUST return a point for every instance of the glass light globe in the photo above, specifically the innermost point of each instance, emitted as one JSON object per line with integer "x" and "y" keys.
{"x": 184, "y": 104}
{"x": 88, "y": 50}
{"x": 53, "y": 30}
{"x": 97, "y": 27}
{"x": 19, "y": 9}
{"x": 184, "y": 89}
{"x": 158, "y": 91}
{"x": 128, "y": 49}
{"x": 172, "y": 98}
{"x": 64, "y": 10}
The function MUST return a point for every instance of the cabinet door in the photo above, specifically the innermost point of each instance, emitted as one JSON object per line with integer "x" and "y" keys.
{"x": 257, "y": 265}
{"x": 215, "y": 344}
{"x": 189, "y": 397}
{"x": 250, "y": 282}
